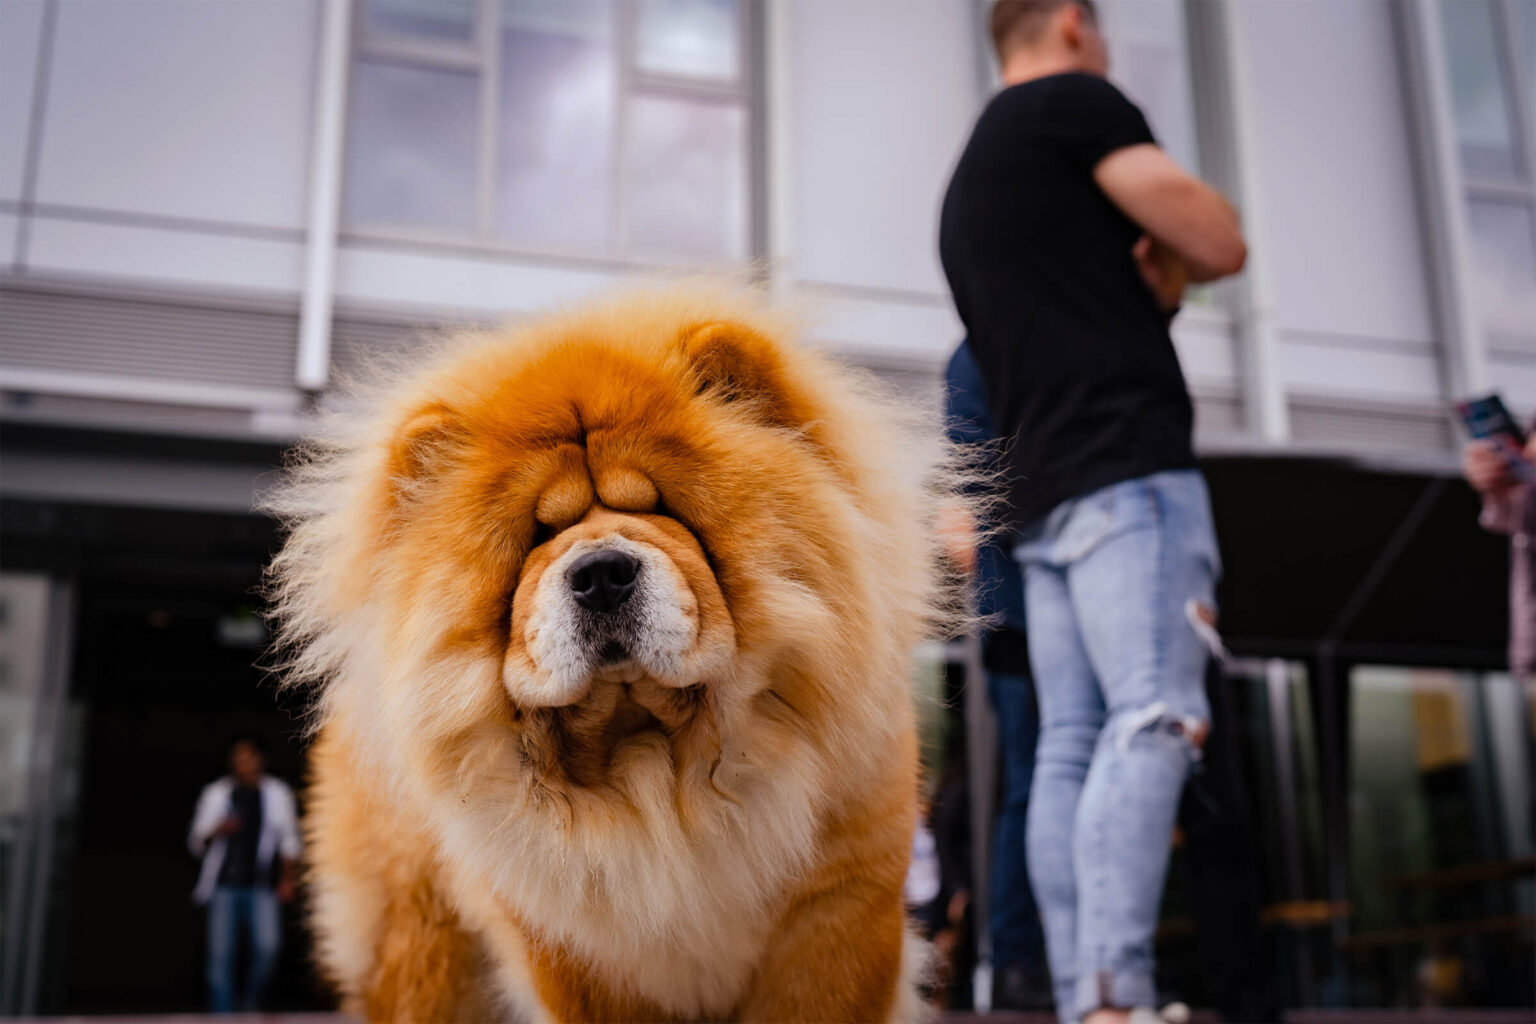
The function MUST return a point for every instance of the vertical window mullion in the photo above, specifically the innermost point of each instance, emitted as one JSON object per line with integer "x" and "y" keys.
{"x": 752, "y": 58}
{"x": 488, "y": 24}
{"x": 624, "y": 39}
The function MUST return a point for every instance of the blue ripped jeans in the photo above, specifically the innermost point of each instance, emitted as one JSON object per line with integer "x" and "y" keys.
{"x": 1119, "y": 669}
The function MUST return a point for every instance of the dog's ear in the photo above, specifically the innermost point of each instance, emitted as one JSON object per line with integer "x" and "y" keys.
{"x": 732, "y": 362}
{"x": 425, "y": 437}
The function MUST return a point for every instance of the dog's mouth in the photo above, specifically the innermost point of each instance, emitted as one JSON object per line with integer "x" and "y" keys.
{"x": 613, "y": 664}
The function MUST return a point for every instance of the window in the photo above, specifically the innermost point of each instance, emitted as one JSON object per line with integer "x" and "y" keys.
{"x": 1149, "y": 59}
{"x": 1490, "y": 52}
{"x": 591, "y": 127}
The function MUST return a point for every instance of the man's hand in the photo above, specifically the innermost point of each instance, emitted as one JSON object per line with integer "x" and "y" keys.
{"x": 228, "y": 827}
{"x": 1486, "y": 468}
{"x": 1163, "y": 270}
{"x": 288, "y": 881}
{"x": 957, "y": 532}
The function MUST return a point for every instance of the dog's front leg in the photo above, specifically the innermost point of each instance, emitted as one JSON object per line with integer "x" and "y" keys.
{"x": 835, "y": 956}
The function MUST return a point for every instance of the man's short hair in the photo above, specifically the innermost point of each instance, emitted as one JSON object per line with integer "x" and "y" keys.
{"x": 1016, "y": 22}
{"x": 249, "y": 739}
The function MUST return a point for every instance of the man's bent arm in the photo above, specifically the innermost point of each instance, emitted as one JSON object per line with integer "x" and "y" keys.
{"x": 1176, "y": 208}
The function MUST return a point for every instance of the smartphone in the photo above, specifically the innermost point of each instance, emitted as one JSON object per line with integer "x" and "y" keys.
{"x": 1488, "y": 419}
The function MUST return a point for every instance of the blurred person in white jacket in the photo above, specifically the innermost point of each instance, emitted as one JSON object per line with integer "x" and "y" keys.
{"x": 246, "y": 831}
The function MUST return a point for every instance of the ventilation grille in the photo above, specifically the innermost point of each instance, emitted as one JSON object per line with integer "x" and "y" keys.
{"x": 1217, "y": 416}
{"x": 146, "y": 338}
{"x": 356, "y": 343}
{"x": 360, "y": 342}
{"x": 1367, "y": 429}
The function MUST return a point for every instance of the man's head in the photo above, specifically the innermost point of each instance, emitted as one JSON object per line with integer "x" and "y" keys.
{"x": 1039, "y": 37}
{"x": 247, "y": 759}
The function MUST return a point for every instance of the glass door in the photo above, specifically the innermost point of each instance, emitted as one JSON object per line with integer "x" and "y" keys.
{"x": 36, "y": 620}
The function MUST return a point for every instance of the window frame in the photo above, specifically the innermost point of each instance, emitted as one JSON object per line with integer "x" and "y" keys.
{"x": 1446, "y": 189}
{"x": 482, "y": 56}
{"x": 1519, "y": 190}
{"x": 1522, "y": 112}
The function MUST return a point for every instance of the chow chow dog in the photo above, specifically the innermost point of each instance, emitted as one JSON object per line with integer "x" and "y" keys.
{"x": 610, "y": 618}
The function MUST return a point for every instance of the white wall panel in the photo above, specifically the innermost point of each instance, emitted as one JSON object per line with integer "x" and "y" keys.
{"x": 457, "y": 286}
{"x": 1203, "y": 338}
{"x": 919, "y": 332}
{"x": 21, "y": 23}
{"x": 447, "y": 287}
{"x": 163, "y": 257}
{"x": 1312, "y": 365}
{"x": 181, "y": 108}
{"x": 884, "y": 93}
{"x": 1346, "y": 253}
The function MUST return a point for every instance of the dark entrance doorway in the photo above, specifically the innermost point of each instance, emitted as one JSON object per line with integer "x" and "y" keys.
{"x": 165, "y": 671}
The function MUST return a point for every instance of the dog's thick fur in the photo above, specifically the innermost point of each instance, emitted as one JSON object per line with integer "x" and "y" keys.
{"x": 704, "y": 811}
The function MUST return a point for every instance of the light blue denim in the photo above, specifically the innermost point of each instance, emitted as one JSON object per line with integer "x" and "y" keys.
{"x": 255, "y": 911}
{"x": 1119, "y": 671}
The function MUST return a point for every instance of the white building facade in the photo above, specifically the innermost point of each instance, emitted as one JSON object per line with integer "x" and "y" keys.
{"x": 212, "y": 212}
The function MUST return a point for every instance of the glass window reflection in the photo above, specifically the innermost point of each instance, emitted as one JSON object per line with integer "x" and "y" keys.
{"x": 1483, "y": 123}
{"x": 1504, "y": 258}
{"x": 687, "y": 178}
{"x": 691, "y": 38}
{"x": 411, "y": 148}
{"x": 558, "y": 98}
{"x": 444, "y": 20}
{"x": 1437, "y": 876}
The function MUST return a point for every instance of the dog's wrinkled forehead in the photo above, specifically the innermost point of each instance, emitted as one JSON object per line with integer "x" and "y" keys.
{"x": 578, "y": 480}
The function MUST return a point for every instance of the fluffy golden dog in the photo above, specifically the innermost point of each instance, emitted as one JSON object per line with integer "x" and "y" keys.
{"x": 611, "y": 617}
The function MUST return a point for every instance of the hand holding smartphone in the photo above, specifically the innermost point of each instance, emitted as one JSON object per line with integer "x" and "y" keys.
{"x": 1487, "y": 419}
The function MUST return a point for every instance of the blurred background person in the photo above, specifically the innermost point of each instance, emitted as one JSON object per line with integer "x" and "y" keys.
{"x": 1019, "y": 979}
{"x": 938, "y": 888}
{"x": 1509, "y": 507}
{"x": 246, "y": 831}
{"x": 1067, "y": 237}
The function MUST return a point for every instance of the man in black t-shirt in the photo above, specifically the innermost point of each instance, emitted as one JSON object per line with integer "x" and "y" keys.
{"x": 1067, "y": 237}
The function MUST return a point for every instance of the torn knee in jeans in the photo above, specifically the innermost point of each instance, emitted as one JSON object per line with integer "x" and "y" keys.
{"x": 1159, "y": 719}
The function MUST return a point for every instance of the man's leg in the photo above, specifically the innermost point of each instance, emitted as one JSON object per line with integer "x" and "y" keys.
{"x": 266, "y": 943}
{"x": 1130, "y": 592}
{"x": 1017, "y": 945}
{"x": 221, "y": 951}
{"x": 1071, "y": 716}
{"x": 244, "y": 938}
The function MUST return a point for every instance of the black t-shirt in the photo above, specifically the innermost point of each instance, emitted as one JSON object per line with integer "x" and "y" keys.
{"x": 240, "y": 867}
{"x": 1080, "y": 370}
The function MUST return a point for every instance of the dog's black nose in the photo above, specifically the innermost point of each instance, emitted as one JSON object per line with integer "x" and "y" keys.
{"x": 602, "y": 580}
